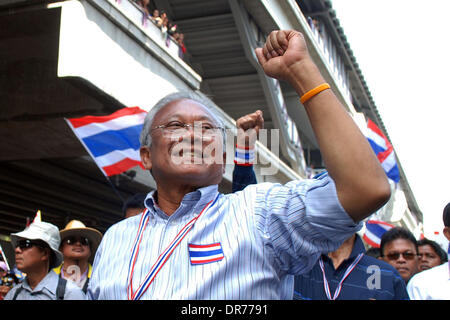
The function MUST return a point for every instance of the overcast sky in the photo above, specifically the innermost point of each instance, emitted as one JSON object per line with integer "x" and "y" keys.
{"x": 403, "y": 50}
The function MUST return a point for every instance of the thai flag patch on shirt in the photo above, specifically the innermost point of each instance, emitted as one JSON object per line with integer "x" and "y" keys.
{"x": 205, "y": 253}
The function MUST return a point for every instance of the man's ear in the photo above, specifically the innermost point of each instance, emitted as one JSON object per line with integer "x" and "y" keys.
{"x": 224, "y": 162}
{"x": 146, "y": 157}
{"x": 47, "y": 254}
{"x": 447, "y": 233}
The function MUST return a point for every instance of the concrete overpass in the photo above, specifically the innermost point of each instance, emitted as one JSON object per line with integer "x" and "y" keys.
{"x": 75, "y": 58}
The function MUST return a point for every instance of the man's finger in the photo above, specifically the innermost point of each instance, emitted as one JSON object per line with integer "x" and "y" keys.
{"x": 252, "y": 120}
{"x": 276, "y": 46}
{"x": 260, "y": 119}
{"x": 260, "y": 56}
{"x": 245, "y": 122}
{"x": 282, "y": 40}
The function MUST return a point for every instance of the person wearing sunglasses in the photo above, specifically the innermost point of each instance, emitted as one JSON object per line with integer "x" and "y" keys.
{"x": 78, "y": 247}
{"x": 399, "y": 248}
{"x": 36, "y": 253}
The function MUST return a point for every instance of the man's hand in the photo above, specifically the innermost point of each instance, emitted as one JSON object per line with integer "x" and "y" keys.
{"x": 282, "y": 50}
{"x": 285, "y": 56}
{"x": 248, "y": 128}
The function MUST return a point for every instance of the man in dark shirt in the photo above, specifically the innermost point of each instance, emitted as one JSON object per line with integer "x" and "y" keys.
{"x": 349, "y": 274}
{"x": 399, "y": 248}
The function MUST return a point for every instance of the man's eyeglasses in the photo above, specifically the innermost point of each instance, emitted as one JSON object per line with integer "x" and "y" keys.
{"x": 72, "y": 240}
{"x": 27, "y": 243}
{"x": 396, "y": 255}
{"x": 176, "y": 128}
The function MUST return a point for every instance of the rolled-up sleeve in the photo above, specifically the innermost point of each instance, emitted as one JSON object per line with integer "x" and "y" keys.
{"x": 300, "y": 220}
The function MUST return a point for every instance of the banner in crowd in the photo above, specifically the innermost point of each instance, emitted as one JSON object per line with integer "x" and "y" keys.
{"x": 4, "y": 259}
{"x": 37, "y": 218}
{"x": 384, "y": 150}
{"x": 112, "y": 140}
{"x": 374, "y": 232}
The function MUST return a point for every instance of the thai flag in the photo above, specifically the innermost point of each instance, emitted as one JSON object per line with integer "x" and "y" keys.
{"x": 201, "y": 254}
{"x": 384, "y": 150}
{"x": 374, "y": 232}
{"x": 113, "y": 140}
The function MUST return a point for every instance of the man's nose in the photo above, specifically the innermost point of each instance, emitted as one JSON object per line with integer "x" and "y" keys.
{"x": 192, "y": 132}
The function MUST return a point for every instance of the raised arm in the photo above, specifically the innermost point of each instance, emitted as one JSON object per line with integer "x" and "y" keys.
{"x": 361, "y": 183}
{"x": 248, "y": 127}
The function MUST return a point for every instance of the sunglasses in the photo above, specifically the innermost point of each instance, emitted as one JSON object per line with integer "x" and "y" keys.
{"x": 396, "y": 255}
{"x": 27, "y": 243}
{"x": 72, "y": 240}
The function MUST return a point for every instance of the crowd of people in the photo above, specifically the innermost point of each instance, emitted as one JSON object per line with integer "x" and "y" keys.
{"x": 161, "y": 20}
{"x": 400, "y": 259}
{"x": 187, "y": 240}
{"x": 408, "y": 269}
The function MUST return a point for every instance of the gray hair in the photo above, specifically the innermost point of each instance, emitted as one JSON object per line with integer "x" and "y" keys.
{"x": 146, "y": 139}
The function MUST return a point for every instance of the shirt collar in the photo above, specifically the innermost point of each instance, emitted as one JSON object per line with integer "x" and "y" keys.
{"x": 358, "y": 247}
{"x": 198, "y": 197}
{"x": 49, "y": 282}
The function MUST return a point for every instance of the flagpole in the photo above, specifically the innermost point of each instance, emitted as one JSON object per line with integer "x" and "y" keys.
{"x": 114, "y": 188}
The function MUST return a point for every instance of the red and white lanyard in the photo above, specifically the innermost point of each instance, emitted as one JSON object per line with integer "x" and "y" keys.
{"x": 163, "y": 257}
{"x": 346, "y": 274}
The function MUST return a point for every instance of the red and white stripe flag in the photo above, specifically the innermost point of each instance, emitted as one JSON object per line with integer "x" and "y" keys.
{"x": 113, "y": 140}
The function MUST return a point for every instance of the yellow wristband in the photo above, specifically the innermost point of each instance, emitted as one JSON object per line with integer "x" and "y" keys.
{"x": 311, "y": 93}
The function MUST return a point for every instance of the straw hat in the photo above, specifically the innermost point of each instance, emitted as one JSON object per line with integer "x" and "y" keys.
{"x": 78, "y": 228}
{"x": 44, "y": 231}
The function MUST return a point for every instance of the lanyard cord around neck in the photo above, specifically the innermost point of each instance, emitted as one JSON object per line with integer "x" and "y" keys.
{"x": 346, "y": 274}
{"x": 164, "y": 256}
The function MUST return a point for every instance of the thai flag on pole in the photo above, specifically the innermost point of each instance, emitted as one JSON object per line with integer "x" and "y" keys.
{"x": 201, "y": 254}
{"x": 384, "y": 151}
{"x": 113, "y": 140}
{"x": 374, "y": 232}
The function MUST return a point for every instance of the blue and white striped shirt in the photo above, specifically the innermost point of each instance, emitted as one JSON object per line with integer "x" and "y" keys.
{"x": 268, "y": 233}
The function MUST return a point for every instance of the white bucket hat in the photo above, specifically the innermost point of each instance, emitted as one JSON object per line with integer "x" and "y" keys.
{"x": 44, "y": 231}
